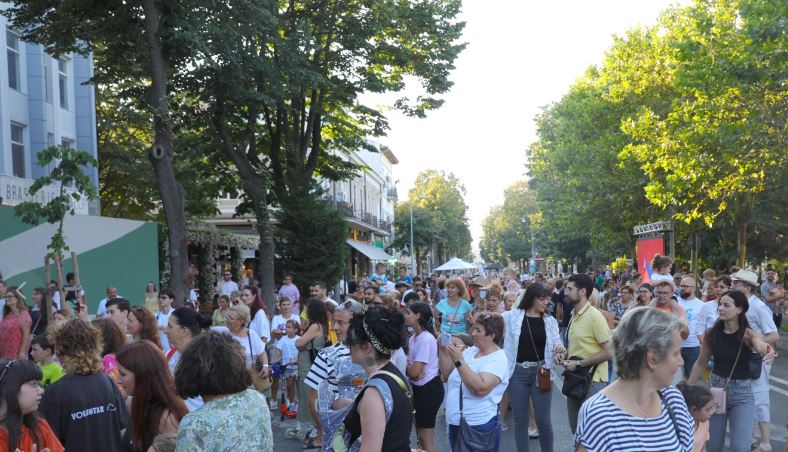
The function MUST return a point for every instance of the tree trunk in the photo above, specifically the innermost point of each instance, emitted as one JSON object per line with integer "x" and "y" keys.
{"x": 741, "y": 241}
{"x": 161, "y": 153}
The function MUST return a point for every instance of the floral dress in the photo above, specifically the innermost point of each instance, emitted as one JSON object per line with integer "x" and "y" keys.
{"x": 11, "y": 333}
{"x": 239, "y": 422}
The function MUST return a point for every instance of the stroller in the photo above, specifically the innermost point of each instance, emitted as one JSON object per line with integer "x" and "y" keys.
{"x": 350, "y": 379}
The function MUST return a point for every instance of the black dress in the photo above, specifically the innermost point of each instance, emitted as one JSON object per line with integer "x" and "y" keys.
{"x": 396, "y": 438}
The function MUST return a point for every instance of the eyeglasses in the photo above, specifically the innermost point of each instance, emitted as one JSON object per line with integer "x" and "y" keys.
{"x": 644, "y": 291}
{"x": 684, "y": 286}
{"x": 6, "y": 367}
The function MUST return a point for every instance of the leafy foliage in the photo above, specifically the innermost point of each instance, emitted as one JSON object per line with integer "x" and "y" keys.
{"x": 68, "y": 177}
{"x": 508, "y": 228}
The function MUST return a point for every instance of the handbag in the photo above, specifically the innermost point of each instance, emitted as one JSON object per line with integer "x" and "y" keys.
{"x": 577, "y": 382}
{"x": 756, "y": 366}
{"x": 721, "y": 394}
{"x": 543, "y": 382}
{"x": 260, "y": 383}
{"x": 469, "y": 439}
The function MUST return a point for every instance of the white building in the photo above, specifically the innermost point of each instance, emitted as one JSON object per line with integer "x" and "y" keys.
{"x": 43, "y": 101}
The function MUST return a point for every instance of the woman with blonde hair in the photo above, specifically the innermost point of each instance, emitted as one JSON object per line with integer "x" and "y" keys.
{"x": 453, "y": 314}
{"x": 151, "y": 297}
{"x": 84, "y": 408}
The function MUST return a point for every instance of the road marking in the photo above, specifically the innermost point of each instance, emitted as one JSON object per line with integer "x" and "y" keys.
{"x": 778, "y": 380}
{"x": 779, "y": 390}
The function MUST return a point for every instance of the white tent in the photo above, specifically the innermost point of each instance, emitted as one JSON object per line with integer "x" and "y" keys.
{"x": 455, "y": 264}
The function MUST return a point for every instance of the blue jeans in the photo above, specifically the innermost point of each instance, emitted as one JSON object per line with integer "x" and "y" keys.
{"x": 486, "y": 427}
{"x": 689, "y": 355}
{"x": 522, "y": 388}
{"x": 740, "y": 415}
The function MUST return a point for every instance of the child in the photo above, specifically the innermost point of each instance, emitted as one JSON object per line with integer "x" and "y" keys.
{"x": 42, "y": 351}
{"x": 701, "y": 406}
{"x": 20, "y": 427}
{"x": 660, "y": 268}
{"x": 508, "y": 301}
{"x": 286, "y": 355}
{"x": 277, "y": 331}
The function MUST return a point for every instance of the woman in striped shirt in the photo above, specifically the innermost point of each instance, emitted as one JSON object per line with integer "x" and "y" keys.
{"x": 640, "y": 411}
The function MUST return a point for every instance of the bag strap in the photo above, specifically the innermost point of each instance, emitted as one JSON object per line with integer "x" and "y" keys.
{"x": 456, "y": 310}
{"x": 670, "y": 414}
{"x": 738, "y": 355}
{"x": 249, "y": 338}
{"x": 409, "y": 395}
{"x": 528, "y": 325}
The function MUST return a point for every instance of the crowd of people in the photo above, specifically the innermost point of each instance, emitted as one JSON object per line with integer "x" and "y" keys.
{"x": 672, "y": 364}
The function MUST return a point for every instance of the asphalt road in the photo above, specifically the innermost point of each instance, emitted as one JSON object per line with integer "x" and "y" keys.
{"x": 562, "y": 434}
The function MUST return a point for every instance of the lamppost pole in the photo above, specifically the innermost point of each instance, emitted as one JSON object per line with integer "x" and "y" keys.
{"x": 412, "y": 250}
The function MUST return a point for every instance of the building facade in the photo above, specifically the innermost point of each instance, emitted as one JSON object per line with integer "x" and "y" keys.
{"x": 44, "y": 101}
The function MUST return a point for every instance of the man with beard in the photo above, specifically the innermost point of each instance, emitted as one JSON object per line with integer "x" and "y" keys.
{"x": 690, "y": 347}
{"x": 589, "y": 340}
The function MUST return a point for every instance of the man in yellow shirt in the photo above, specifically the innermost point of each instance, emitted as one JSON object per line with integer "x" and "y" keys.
{"x": 589, "y": 340}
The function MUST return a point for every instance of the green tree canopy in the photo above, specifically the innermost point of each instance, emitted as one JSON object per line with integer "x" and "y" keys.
{"x": 507, "y": 229}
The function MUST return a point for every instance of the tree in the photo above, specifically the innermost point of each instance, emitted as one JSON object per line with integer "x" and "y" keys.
{"x": 425, "y": 229}
{"x": 310, "y": 243}
{"x": 72, "y": 185}
{"x": 443, "y": 196}
{"x": 709, "y": 154}
{"x": 141, "y": 41}
{"x": 281, "y": 87}
{"x": 507, "y": 231}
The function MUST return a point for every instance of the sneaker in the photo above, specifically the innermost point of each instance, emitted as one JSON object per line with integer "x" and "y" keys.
{"x": 504, "y": 426}
{"x": 533, "y": 433}
{"x": 274, "y": 406}
{"x": 312, "y": 432}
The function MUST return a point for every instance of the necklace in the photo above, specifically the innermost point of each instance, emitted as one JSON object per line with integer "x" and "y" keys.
{"x": 635, "y": 404}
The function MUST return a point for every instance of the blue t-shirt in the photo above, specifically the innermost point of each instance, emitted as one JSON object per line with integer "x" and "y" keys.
{"x": 453, "y": 317}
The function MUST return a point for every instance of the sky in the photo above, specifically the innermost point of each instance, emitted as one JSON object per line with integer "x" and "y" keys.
{"x": 521, "y": 55}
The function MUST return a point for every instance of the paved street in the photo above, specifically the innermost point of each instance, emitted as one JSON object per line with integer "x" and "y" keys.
{"x": 563, "y": 438}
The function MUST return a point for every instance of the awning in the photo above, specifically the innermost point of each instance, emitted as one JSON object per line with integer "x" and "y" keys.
{"x": 371, "y": 251}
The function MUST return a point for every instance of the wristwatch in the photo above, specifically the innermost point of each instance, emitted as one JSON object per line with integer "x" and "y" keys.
{"x": 458, "y": 363}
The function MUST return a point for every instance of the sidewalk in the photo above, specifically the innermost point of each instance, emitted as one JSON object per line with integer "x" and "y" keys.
{"x": 782, "y": 343}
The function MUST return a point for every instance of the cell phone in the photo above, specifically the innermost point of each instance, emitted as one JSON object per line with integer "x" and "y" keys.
{"x": 483, "y": 294}
{"x": 445, "y": 339}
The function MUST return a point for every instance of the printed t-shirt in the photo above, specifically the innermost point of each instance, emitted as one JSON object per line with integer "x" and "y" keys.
{"x": 692, "y": 309}
{"x": 453, "y": 317}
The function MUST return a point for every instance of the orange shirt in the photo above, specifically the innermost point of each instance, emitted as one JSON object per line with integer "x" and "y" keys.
{"x": 669, "y": 310}
{"x": 48, "y": 439}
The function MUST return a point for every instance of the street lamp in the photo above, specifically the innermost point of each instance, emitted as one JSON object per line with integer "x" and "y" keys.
{"x": 412, "y": 249}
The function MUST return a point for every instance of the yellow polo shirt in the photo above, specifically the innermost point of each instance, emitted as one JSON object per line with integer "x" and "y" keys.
{"x": 587, "y": 332}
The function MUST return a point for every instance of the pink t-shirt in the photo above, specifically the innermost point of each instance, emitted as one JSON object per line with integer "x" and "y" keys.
{"x": 423, "y": 348}
{"x": 11, "y": 333}
{"x": 701, "y": 436}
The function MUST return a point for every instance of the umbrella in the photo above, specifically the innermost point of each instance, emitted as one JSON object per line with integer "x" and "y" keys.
{"x": 494, "y": 267}
{"x": 455, "y": 264}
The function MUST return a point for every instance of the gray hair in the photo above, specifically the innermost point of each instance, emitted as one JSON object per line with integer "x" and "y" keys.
{"x": 642, "y": 330}
{"x": 243, "y": 312}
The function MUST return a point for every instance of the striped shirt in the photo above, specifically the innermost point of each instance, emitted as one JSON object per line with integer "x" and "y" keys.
{"x": 603, "y": 427}
{"x": 323, "y": 367}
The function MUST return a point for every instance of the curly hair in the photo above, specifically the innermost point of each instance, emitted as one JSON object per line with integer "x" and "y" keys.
{"x": 77, "y": 344}
{"x": 384, "y": 328}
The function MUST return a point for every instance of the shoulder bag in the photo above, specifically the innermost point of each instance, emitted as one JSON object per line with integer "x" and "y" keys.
{"x": 542, "y": 375}
{"x": 259, "y": 383}
{"x": 721, "y": 394}
{"x": 577, "y": 382}
{"x": 469, "y": 439}
{"x": 755, "y": 366}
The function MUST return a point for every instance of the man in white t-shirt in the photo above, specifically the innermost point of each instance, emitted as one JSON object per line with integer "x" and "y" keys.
{"x": 166, "y": 298}
{"x": 319, "y": 290}
{"x": 228, "y": 285}
{"x": 759, "y": 316}
{"x": 690, "y": 347}
{"x": 112, "y": 293}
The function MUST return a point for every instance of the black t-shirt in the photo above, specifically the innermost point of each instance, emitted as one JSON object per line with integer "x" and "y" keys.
{"x": 725, "y": 348}
{"x": 86, "y": 412}
{"x": 567, "y": 307}
{"x": 397, "y": 434}
{"x": 525, "y": 350}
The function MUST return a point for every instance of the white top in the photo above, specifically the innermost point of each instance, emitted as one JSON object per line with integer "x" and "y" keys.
{"x": 279, "y": 322}
{"x": 260, "y": 325}
{"x": 228, "y": 287}
{"x": 287, "y": 345}
{"x": 161, "y": 320}
{"x": 655, "y": 277}
{"x": 400, "y": 360}
{"x": 258, "y": 347}
{"x": 760, "y": 317}
{"x": 708, "y": 315}
{"x": 692, "y": 308}
{"x": 477, "y": 409}
{"x": 513, "y": 322}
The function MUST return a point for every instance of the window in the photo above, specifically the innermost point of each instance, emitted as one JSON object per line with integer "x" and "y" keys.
{"x": 12, "y": 41}
{"x": 18, "y": 149}
{"x": 62, "y": 69}
{"x": 66, "y": 143}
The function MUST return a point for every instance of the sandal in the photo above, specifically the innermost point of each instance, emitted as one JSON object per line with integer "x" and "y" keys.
{"x": 310, "y": 444}
{"x": 761, "y": 447}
